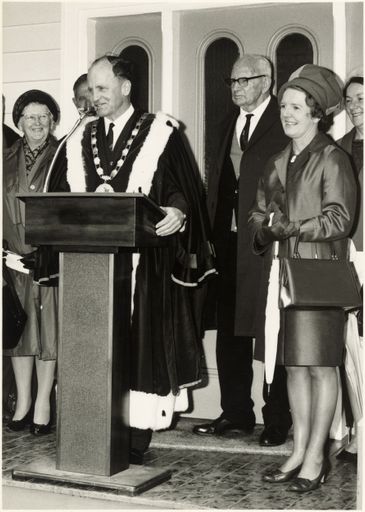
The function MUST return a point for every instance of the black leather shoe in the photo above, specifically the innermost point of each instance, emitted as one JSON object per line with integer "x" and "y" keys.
{"x": 17, "y": 425}
{"x": 273, "y": 435}
{"x": 40, "y": 430}
{"x": 219, "y": 426}
{"x": 306, "y": 485}
{"x": 136, "y": 457}
{"x": 277, "y": 476}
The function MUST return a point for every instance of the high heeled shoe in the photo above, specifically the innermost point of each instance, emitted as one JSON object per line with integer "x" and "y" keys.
{"x": 40, "y": 430}
{"x": 18, "y": 425}
{"x": 304, "y": 484}
{"x": 276, "y": 476}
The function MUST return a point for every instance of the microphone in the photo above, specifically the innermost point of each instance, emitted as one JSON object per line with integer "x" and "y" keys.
{"x": 89, "y": 112}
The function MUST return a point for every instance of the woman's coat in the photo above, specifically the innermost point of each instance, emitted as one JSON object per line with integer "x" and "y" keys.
{"x": 320, "y": 192}
{"x": 40, "y": 334}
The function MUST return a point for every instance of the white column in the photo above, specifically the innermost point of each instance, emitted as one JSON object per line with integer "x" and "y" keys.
{"x": 339, "y": 59}
{"x": 167, "y": 21}
{"x": 74, "y": 59}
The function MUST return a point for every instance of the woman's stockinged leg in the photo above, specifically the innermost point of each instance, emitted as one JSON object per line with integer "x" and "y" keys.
{"x": 324, "y": 399}
{"x": 45, "y": 378}
{"x": 299, "y": 393}
{"x": 23, "y": 370}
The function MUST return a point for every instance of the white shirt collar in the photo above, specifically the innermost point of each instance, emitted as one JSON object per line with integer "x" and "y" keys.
{"x": 257, "y": 113}
{"x": 258, "y": 110}
{"x": 119, "y": 123}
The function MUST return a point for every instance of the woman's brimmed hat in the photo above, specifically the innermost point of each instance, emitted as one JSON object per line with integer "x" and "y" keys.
{"x": 34, "y": 96}
{"x": 321, "y": 83}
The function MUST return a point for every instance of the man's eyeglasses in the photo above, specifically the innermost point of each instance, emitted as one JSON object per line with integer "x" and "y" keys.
{"x": 242, "y": 81}
{"x": 32, "y": 118}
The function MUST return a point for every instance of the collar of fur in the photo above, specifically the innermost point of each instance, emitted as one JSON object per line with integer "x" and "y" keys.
{"x": 144, "y": 166}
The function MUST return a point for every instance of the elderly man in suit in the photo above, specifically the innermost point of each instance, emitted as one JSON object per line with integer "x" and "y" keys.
{"x": 249, "y": 138}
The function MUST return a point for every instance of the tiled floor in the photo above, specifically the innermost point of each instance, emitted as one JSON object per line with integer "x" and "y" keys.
{"x": 220, "y": 473}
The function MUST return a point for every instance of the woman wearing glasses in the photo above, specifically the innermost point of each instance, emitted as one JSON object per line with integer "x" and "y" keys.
{"x": 25, "y": 166}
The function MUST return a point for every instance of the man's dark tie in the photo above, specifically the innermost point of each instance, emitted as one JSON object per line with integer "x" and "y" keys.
{"x": 245, "y": 132}
{"x": 110, "y": 137}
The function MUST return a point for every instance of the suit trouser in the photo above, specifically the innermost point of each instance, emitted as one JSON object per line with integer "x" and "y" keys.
{"x": 235, "y": 359}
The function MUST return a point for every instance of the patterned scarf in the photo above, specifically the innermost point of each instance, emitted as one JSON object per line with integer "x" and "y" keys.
{"x": 32, "y": 155}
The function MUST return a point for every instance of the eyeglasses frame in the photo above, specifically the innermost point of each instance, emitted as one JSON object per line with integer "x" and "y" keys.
{"x": 37, "y": 116}
{"x": 231, "y": 81}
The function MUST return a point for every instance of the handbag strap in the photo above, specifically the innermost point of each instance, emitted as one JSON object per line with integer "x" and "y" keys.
{"x": 296, "y": 253}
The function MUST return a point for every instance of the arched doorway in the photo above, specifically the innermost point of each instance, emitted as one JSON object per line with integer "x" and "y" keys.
{"x": 139, "y": 57}
{"x": 293, "y": 51}
{"x": 219, "y": 59}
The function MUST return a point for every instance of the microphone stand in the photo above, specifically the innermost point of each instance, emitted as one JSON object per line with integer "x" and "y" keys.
{"x": 89, "y": 112}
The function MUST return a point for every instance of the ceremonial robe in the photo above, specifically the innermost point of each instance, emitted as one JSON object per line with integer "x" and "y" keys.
{"x": 165, "y": 348}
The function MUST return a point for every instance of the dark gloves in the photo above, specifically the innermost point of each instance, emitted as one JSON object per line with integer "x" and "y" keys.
{"x": 28, "y": 260}
{"x": 281, "y": 227}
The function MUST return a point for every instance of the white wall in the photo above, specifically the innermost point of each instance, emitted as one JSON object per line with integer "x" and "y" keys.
{"x": 114, "y": 34}
{"x": 31, "y": 50}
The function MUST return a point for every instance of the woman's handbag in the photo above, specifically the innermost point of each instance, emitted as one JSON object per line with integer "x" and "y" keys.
{"x": 318, "y": 283}
{"x": 14, "y": 316}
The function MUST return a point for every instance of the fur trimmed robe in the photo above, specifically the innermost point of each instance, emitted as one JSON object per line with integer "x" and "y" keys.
{"x": 165, "y": 337}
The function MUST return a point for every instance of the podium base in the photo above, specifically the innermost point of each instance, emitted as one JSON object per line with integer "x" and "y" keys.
{"x": 131, "y": 482}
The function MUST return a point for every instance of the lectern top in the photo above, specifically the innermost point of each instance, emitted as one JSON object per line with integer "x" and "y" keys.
{"x": 116, "y": 195}
{"x": 90, "y": 220}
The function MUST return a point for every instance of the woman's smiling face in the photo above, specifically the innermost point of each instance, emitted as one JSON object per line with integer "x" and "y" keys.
{"x": 295, "y": 114}
{"x": 354, "y": 103}
{"x": 36, "y": 122}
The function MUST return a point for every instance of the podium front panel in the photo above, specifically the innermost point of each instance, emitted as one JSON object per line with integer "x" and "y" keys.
{"x": 92, "y": 420}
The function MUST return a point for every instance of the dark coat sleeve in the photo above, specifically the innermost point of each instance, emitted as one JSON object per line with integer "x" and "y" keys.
{"x": 177, "y": 183}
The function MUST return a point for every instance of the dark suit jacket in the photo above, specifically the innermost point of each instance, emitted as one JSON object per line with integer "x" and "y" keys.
{"x": 358, "y": 227}
{"x": 267, "y": 139}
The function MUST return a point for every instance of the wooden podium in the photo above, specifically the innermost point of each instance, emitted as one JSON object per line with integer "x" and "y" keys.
{"x": 95, "y": 234}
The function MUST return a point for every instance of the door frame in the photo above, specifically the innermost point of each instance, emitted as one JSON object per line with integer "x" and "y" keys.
{"x": 78, "y": 24}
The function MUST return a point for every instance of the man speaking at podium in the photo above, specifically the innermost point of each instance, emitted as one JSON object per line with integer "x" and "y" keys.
{"x": 122, "y": 149}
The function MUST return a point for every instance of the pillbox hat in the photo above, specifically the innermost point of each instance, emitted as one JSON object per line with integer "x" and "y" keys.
{"x": 321, "y": 83}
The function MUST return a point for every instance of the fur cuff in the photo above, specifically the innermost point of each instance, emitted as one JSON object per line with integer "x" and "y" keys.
{"x": 148, "y": 410}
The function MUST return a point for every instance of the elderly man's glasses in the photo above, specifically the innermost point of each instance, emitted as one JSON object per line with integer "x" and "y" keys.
{"x": 33, "y": 118}
{"x": 242, "y": 81}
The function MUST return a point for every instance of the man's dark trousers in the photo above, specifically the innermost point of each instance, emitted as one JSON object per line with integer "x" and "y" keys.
{"x": 235, "y": 358}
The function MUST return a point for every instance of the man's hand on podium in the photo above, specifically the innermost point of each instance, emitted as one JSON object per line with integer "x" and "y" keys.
{"x": 173, "y": 221}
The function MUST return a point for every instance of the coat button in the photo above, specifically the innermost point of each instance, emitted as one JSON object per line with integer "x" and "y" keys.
{"x": 32, "y": 187}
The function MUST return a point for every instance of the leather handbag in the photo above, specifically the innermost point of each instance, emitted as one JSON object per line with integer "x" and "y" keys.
{"x": 318, "y": 283}
{"x": 14, "y": 316}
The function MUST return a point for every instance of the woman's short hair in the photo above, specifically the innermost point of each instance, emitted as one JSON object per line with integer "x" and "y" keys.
{"x": 315, "y": 109}
{"x": 352, "y": 80}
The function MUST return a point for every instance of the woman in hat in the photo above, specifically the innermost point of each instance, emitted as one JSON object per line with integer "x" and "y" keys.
{"x": 25, "y": 166}
{"x": 352, "y": 143}
{"x": 309, "y": 190}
